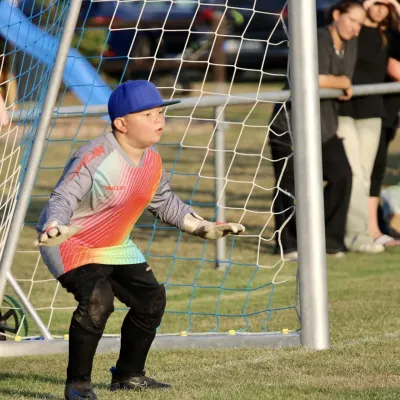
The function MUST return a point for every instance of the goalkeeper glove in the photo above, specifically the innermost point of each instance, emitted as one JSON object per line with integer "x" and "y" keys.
{"x": 54, "y": 234}
{"x": 196, "y": 225}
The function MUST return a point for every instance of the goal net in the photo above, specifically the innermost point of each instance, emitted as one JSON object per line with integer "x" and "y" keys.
{"x": 217, "y": 56}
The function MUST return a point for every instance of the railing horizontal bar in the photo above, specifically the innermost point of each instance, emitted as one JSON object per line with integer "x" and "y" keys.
{"x": 214, "y": 101}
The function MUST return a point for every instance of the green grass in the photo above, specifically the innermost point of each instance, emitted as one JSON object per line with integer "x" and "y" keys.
{"x": 363, "y": 362}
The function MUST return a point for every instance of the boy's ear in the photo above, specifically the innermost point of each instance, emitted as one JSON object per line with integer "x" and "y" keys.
{"x": 119, "y": 125}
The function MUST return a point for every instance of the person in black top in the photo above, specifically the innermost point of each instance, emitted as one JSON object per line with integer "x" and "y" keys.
{"x": 360, "y": 123}
{"x": 389, "y": 126}
{"x": 337, "y": 51}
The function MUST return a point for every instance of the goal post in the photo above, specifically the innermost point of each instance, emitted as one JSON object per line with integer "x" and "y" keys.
{"x": 35, "y": 154}
{"x": 308, "y": 174}
{"x": 217, "y": 156}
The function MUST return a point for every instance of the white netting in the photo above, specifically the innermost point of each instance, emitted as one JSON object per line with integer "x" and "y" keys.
{"x": 199, "y": 51}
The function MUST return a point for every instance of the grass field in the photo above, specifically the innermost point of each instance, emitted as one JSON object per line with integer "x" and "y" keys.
{"x": 364, "y": 361}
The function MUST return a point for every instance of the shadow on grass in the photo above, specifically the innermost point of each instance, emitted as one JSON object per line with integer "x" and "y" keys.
{"x": 28, "y": 394}
{"x": 32, "y": 377}
{"x": 28, "y": 378}
{"x": 10, "y": 393}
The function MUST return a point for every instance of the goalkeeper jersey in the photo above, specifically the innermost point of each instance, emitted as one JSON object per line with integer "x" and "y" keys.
{"x": 103, "y": 192}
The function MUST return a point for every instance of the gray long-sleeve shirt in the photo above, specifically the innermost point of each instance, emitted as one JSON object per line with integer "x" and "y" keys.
{"x": 329, "y": 63}
{"x": 104, "y": 193}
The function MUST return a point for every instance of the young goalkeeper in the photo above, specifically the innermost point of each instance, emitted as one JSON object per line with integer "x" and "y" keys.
{"x": 84, "y": 237}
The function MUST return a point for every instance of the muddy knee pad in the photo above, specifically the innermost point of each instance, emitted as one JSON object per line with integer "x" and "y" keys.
{"x": 148, "y": 318}
{"x": 93, "y": 314}
{"x": 157, "y": 308}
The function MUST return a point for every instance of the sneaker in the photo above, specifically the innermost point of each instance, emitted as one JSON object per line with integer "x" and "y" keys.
{"x": 79, "y": 391}
{"x": 337, "y": 253}
{"x": 292, "y": 255}
{"x": 369, "y": 248}
{"x": 136, "y": 383}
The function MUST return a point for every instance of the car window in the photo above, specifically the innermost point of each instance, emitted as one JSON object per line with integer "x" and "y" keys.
{"x": 326, "y": 3}
{"x": 272, "y": 6}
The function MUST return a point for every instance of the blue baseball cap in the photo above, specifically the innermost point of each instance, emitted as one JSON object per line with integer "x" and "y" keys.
{"x": 134, "y": 96}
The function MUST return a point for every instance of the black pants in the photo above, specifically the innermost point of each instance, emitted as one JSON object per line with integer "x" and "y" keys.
{"x": 338, "y": 176}
{"x": 378, "y": 172}
{"x": 94, "y": 287}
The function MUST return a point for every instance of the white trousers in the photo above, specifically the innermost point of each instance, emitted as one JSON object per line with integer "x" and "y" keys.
{"x": 361, "y": 141}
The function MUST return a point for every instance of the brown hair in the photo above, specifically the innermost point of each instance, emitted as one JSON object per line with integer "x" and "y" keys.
{"x": 343, "y": 6}
{"x": 391, "y": 22}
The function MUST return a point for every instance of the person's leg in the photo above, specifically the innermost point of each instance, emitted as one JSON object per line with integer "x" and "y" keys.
{"x": 337, "y": 191}
{"x": 369, "y": 131}
{"x": 377, "y": 224}
{"x": 357, "y": 235}
{"x": 90, "y": 286}
{"x": 377, "y": 175}
{"x": 283, "y": 201}
{"x": 136, "y": 286}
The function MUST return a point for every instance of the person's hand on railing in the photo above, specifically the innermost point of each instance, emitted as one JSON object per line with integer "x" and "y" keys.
{"x": 348, "y": 94}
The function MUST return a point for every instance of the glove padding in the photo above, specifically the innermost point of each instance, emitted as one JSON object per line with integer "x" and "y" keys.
{"x": 196, "y": 225}
{"x": 54, "y": 234}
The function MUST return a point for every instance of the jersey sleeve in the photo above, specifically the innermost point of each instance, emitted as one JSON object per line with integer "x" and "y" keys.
{"x": 71, "y": 189}
{"x": 167, "y": 205}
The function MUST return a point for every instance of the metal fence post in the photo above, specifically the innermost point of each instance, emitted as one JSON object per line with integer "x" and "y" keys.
{"x": 308, "y": 174}
{"x": 219, "y": 70}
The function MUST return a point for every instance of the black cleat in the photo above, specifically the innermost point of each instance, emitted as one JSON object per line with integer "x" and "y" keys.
{"x": 136, "y": 383}
{"x": 79, "y": 391}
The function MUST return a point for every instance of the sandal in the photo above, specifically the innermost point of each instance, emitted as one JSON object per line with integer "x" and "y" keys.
{"x": 387, "y": 241}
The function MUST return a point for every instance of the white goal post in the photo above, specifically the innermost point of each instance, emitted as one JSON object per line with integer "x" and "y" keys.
{"x": 313, "y": 303}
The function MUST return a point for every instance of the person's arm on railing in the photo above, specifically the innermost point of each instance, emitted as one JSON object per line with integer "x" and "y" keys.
{"x": 334, "y": 82}
{"x": 337, "y": 82}
{"x": 393, "y": 69}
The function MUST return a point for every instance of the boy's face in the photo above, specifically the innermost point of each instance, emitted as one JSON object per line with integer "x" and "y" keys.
{"x": 143, "y": 129}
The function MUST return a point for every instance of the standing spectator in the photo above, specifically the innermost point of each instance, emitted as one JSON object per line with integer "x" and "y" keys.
{"x": 336, "y": 56}
{"x": 389, "y": 127}
{"x": 361, "y": 121}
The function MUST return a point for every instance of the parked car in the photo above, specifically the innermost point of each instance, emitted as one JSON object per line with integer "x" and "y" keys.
{"x": 142, "y": 32}
{"x": 169, "y": 39}
{"x": 261, "y": 41}
{"x": 256, "y": 35}
{"x": 323, "y": 8}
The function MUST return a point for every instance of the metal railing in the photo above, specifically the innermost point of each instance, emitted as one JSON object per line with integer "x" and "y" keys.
{"x": 216, "y": 101}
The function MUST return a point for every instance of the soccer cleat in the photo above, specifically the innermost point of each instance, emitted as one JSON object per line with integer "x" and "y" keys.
{"x": 79, "y": 391}
{"x": 136, "y": 383}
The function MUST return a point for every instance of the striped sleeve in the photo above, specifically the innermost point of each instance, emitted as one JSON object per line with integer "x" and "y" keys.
{"x": 167, "y": 205}
{"x": 75, "y": 183}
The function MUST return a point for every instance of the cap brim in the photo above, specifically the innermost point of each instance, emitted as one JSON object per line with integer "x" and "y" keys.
{"x": 170, "y": 103}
